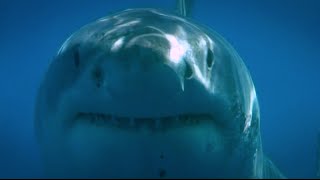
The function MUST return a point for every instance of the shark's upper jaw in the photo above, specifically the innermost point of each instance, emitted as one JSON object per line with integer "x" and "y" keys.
{"x": 130, "y": 100}
{"x": 152, "y": 99}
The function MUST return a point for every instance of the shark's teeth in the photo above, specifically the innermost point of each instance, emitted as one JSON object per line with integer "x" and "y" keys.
{"x": 123, "y": 122}
{"x": 132, "y": 122}
{"x": 157, "y": 123}
{"x": 113, "y": 120}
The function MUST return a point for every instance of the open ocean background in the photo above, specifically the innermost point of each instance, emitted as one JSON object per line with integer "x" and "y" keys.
{"x": 278, "y": 40}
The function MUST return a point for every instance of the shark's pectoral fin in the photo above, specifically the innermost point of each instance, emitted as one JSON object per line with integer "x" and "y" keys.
{"x": 270, "y": 171}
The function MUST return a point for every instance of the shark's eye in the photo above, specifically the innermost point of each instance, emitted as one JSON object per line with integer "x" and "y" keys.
{"x": 209, "y": 58}
{"x": 188, "y": 72}
{"x": 76, "y": 57}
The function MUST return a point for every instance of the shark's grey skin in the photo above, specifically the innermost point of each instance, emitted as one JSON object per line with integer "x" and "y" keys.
{"x": 147, "y": 94}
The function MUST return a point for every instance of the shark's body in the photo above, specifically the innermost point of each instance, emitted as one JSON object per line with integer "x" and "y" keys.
{"x": 142, "y": 93}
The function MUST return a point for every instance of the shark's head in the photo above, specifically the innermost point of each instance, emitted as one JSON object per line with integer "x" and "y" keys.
{"x": 143, "y": 93}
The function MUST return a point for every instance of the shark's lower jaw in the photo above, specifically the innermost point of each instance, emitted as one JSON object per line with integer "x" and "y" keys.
{"x": 154, "y": 124}
{"x": 101, "y": 145}
{"x": 95, "y": 140}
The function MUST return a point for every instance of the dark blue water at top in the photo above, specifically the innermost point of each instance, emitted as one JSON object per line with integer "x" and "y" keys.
{"x": 278, "y": 41}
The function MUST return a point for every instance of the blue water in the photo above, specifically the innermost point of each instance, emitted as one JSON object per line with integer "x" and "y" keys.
{"x": 278, "y": 40}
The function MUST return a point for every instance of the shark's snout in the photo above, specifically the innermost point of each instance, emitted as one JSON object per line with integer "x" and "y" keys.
{"x": 141, "y": 67}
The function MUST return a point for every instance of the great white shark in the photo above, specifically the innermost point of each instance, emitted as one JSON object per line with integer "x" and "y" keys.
{"x": 144, "y": 93}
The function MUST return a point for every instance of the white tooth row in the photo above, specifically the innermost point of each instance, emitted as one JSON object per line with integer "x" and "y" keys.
{"x": 130, "y": 122}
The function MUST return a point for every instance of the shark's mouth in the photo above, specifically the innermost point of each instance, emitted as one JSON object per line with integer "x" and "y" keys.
{"x": 151, "y": 123}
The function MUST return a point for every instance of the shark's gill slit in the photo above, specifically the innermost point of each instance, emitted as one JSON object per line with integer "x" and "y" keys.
{"x": 97, "y": 75}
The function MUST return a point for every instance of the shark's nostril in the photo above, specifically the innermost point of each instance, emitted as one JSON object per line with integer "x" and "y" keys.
{"x": 97, "y": 75}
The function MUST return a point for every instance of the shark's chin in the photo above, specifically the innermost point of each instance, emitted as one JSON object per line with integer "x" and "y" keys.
{"x": 148, "y": 152}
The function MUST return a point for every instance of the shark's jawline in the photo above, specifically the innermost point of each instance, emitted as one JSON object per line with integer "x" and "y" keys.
{"x": 153, "y": 123}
